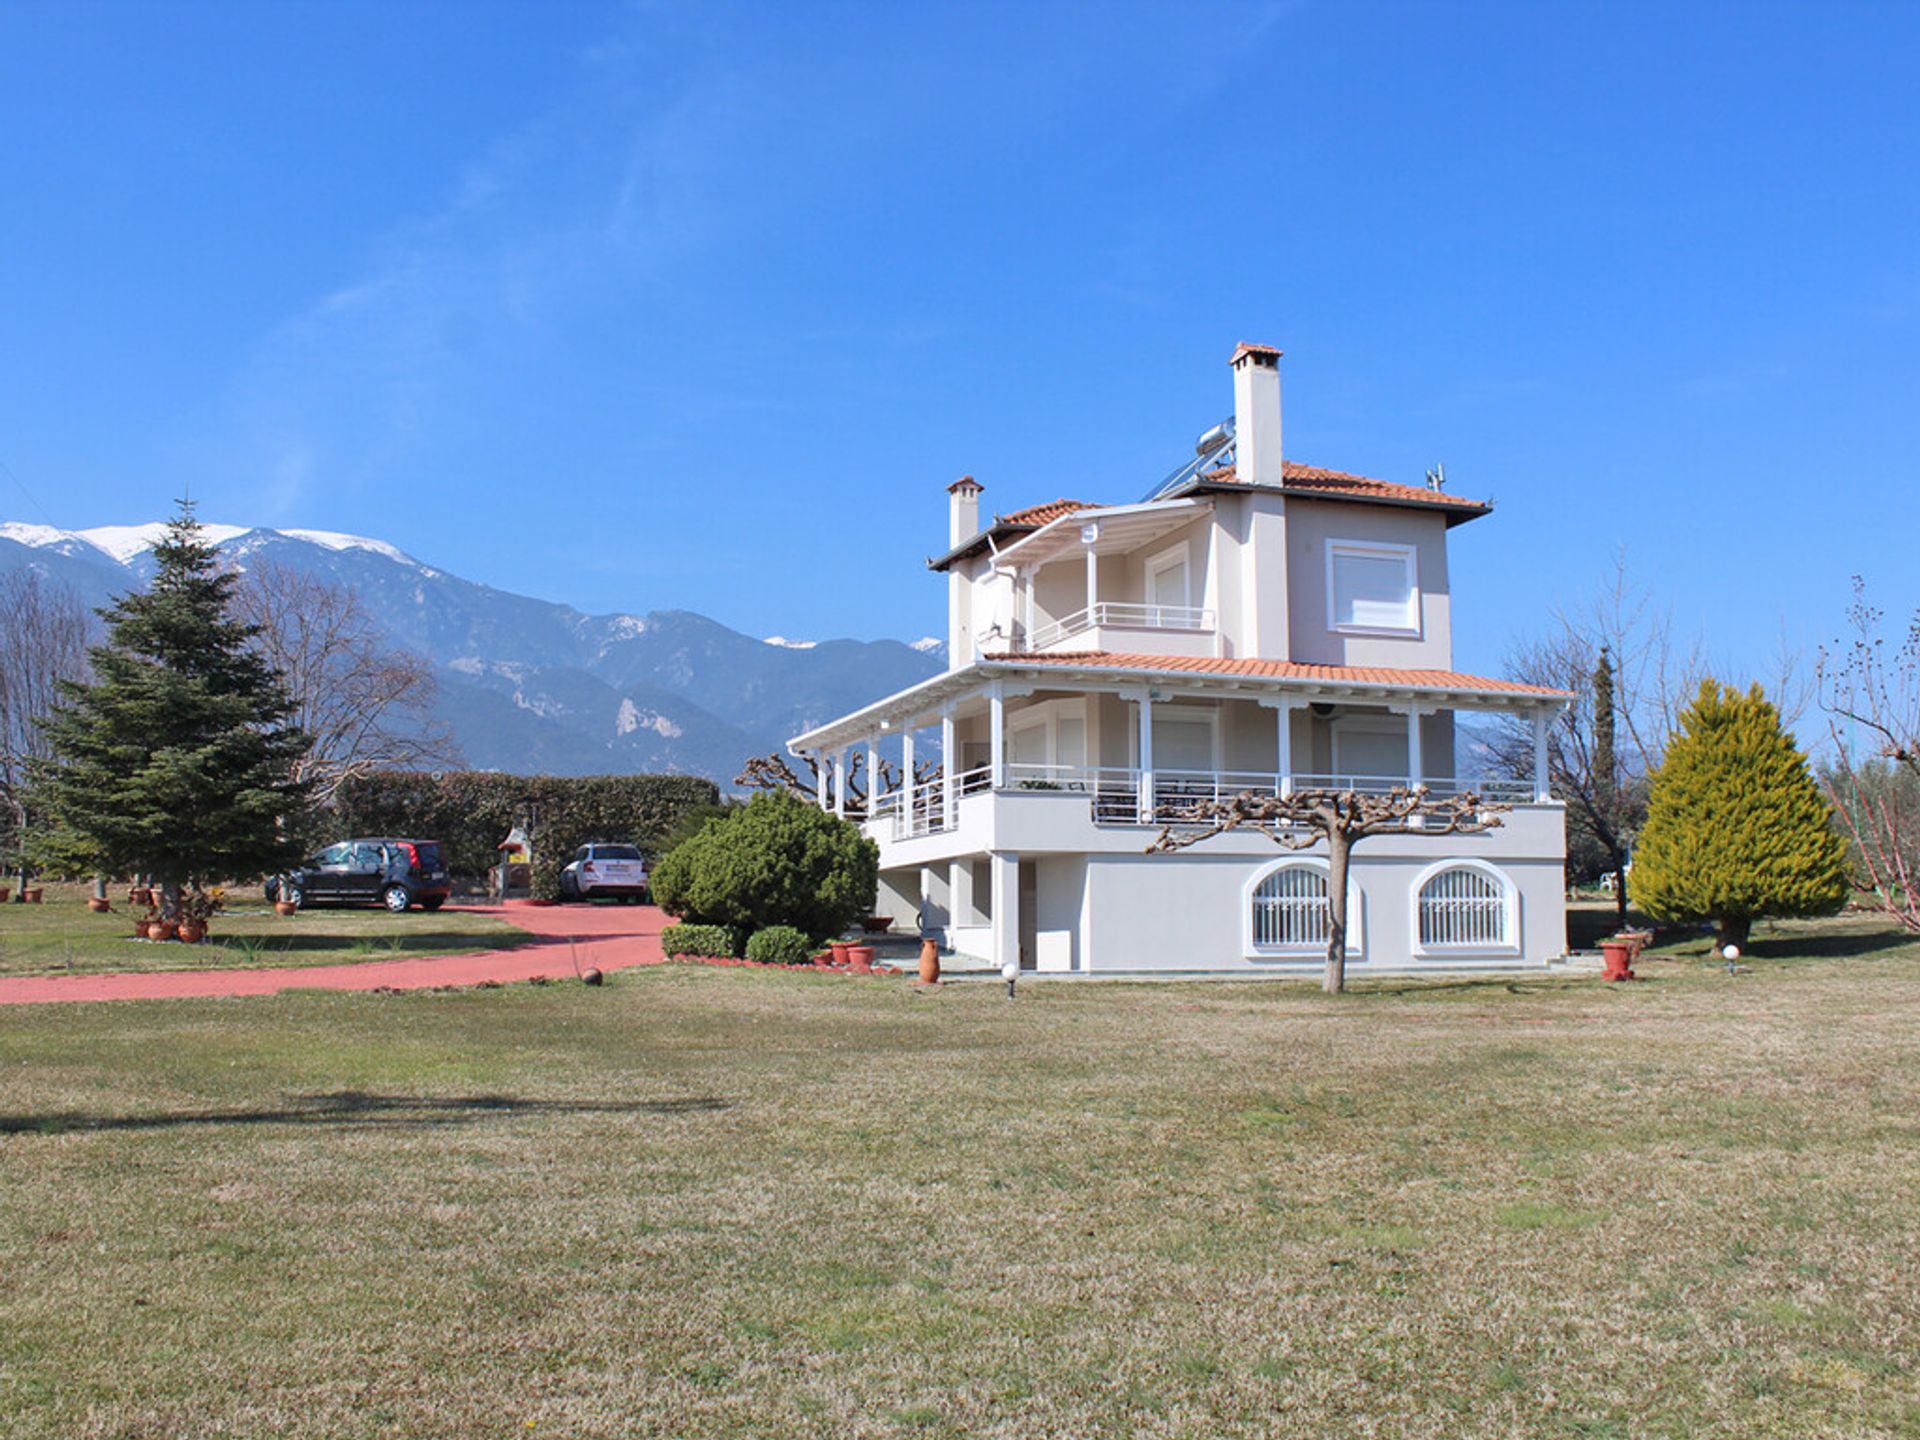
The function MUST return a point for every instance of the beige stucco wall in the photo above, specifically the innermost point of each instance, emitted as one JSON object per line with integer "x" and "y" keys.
{"x": 1310, "y": 525}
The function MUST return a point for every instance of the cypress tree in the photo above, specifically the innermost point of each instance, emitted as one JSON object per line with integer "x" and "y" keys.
{"x": 177, "y": 760}
{"x": 1736, "y": 828}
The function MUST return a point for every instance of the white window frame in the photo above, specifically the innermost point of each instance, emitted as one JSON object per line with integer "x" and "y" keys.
{"x": 1166, "y": 560}
{"x": 1509, "y": 944}
{"x": 1166, "y": 710}
{"x": 1046, "y": 716}
{"x": 1389, "y": 725}
{"x": 1356, "y": 914}
{"x": 1407, "y": 555}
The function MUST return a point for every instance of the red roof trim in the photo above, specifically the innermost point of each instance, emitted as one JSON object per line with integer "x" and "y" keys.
{"x": 1279, "y": 670}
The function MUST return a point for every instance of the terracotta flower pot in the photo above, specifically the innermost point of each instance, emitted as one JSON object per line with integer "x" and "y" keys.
{"x": 31, "y": 896}
{"x": 142, "y": 929}
{"x": 285, "y": 907}
{"x": 192, "y": 931}
{"x": 929, "y": 961}
{"x": 861, "y": 958}
{"x": 140, "y": 895}
{"x": 839, "y": 949}
{"x": 6, "y": 893}
{"x": 98, "y": 905}
{"x": 163, "y": 930}
{"x": 1619, "y": 959}
{"x": 823, "y": 959}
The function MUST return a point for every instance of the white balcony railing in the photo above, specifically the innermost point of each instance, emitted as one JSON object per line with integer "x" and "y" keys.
{"x": 1121, "y": 615}
{"x": 1121, "y": 795}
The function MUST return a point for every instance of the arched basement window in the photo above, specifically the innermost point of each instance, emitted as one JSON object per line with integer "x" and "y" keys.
{"x": 1287, "y": 911}
{"x": 1465, "y": 905}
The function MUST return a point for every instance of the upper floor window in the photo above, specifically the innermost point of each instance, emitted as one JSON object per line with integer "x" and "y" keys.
{"x": 1373, "y": 588}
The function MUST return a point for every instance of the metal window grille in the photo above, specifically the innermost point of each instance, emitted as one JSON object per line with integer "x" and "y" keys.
{"x": 1462, "y": 907}
{"x": 1290, "y": 909}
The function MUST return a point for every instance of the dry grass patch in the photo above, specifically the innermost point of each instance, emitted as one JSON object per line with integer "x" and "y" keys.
{"x": 722, "y": 1203}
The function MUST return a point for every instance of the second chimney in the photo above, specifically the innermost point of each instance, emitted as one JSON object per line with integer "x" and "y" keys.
{"x": 963, "y": 509}
{"x": 1256, "y": 415}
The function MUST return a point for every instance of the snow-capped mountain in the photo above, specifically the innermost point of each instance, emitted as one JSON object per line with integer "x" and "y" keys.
{"x": 529, "y": 685}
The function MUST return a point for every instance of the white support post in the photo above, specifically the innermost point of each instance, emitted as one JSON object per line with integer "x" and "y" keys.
{"x": 949, "y": 769}
{"x": 997, "y": 744}
{"x": 1146, "y": 757}
{"x": 821, "y": 762}
{"x": 1005, "y": 869}
{"x": 1542, "y": 789}
{"x": 1416, "y": 762}
{"x": 840, "y": 783}
{"x": 960, "y": 907}
{"x": 1283, "y": 743}
{"x": 873, "y": 780}
{"x": 1089, "y": 537}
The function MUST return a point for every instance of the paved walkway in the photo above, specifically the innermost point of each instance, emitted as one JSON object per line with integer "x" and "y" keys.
{"x": 607, "y": 937}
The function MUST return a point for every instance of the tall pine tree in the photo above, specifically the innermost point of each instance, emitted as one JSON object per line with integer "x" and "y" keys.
{"x": 1736, "y": 828}
{"x": 177, "y": 761}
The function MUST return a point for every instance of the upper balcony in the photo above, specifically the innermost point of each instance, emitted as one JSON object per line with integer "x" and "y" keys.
{"x": 1131, "y": 627}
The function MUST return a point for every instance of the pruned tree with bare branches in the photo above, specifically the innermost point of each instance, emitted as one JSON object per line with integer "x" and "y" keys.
{"x": 1339, "y": 818}
{"x": 1872, "y": 778}
{"x": 777, "y": 772}
{"x": 43, "y": 640}
{"x": 366, "y": 703}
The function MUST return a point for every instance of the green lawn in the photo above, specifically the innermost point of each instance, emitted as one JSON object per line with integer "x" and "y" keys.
{"x": 60, "y": 937}
{"x": 703, "y": 1202}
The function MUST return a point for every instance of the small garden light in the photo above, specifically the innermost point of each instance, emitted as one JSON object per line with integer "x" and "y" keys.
{"x": 1730, "y": 954}
{"x": 1010, "y": 972}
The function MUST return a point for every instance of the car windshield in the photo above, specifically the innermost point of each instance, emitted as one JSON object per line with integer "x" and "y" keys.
{"x": 615, "y": 852}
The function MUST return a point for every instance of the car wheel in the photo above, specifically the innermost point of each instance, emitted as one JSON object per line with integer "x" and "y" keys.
{"x": 396, "y": 899}
{"x": 295, "y": 896}
{"x": 569, "y": 887}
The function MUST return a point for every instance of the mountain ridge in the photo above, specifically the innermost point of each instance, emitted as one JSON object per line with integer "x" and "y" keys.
{"x": 530, "y": 684}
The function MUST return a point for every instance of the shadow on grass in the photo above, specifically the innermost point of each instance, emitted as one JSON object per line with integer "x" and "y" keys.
{"x": 356, "y": 1107}
{"x": 398, "y": 945}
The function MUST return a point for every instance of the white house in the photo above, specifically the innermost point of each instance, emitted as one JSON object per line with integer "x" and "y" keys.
{"x": 1253, "y": 625}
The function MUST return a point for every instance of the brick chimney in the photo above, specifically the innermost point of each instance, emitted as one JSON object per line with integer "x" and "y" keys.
{"x": 1256, "y": 414}
{"x": 963, "y": 509}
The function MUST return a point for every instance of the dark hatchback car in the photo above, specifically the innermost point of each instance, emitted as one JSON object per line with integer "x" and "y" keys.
{"x": 395, "y": 873}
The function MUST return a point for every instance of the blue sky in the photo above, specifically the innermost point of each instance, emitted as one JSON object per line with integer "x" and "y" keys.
{"x": 639, "y": 306}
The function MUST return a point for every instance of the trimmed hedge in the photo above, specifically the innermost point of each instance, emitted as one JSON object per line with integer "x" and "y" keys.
{"x": 774, "y": 861}
{"x": 779, "y": 945}
{"x": 710, "y": 942}
{"x": 470, "y": 812}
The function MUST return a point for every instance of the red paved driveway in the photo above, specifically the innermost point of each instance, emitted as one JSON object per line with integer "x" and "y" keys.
{"x": 606, "y": 937}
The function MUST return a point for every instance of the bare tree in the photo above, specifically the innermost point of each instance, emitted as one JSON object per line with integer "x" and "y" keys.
{"x": 367, "y": 704}
{"x": 1872, "y": 702}
{"x": 43, "y": 640}
{"x": 776, "y": 772}
{"x": 1341, "y": 818}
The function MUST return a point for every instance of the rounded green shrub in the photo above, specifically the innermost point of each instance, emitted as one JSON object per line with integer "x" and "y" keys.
{"x": 543, "y": 877}
{"x": 773, "y": 861}
{"x": 779, "y": 945}
{"x": 709, "y": 942}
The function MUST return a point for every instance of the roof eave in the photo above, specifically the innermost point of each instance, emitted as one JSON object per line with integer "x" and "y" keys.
{"x": 1457, "y": 512}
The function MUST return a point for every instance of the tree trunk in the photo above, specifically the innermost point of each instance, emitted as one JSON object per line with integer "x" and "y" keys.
{"x": 1620, "y": 888}
{"x": 1733, "y": 930}
{"x": 1335, "y": 980}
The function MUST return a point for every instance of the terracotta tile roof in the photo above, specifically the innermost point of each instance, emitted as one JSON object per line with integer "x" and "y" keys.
{"x": 1042, "y": 514}
{"x": 1295, "y": 476}
{"x": 1247, "y": 347}
{"x": 1279, "y": 670}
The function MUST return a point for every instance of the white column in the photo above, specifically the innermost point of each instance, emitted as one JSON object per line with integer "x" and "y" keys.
{"x": 949, "y": 769}
{"x": 840, "y": 783}
{"x": 1005, "y": 870}
{"x": 821, "y": 763}
{"x": 997, "y": 743}
{"x": 1093, "y": 580}
{"x": 1145, "y": 704}
{"x": 960, "y": 908}
{"x": 873, "y": 779}
{"x": 1416, "y": 762}
{"x": 1542, "y": 788}
{"x": 1283, "y": 743}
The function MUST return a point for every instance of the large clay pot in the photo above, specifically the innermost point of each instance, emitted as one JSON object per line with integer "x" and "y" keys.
{"x": 861, "y": 958}
{"x": 929, "y": 961}
{"x": 163, "y": 930}
{"x": 6, "y": 893}
{"x": 839, "y": 949}
{"x": 1619, "y": 959}
{"x": 140, "y": 895}
{"x": 142, "y": 929}
{"x": 192, "y": 931}
{"x": 285, "y": 907}
{"x": 32, "y": 897}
